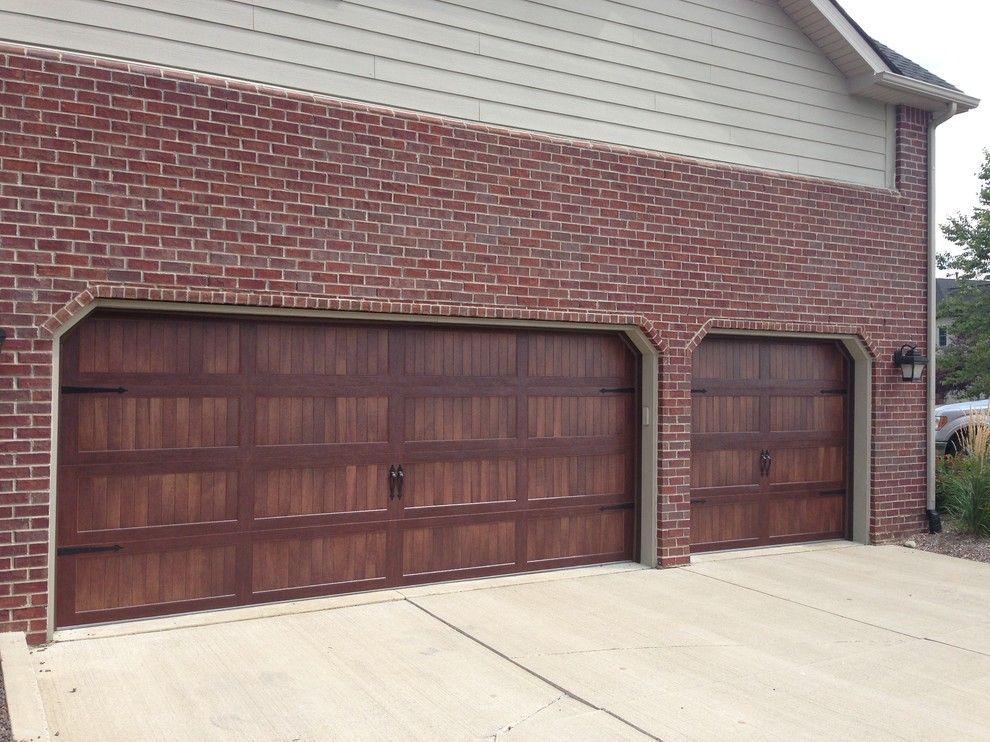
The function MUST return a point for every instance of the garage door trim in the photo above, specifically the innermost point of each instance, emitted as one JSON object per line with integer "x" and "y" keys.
{"x": 861, "y": 405}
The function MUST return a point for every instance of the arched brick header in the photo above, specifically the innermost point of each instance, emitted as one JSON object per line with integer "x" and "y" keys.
{"x": 766, "y": 326}
{"x": 78, "y": 305}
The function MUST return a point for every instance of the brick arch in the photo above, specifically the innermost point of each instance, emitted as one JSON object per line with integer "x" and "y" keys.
{"x": 771, "y": 326}
{"x": 79, "y": 305}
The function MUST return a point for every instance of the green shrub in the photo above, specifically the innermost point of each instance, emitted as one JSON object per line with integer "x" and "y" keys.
{"x": 963, "y": 487}
{"x": 962, "y": 483}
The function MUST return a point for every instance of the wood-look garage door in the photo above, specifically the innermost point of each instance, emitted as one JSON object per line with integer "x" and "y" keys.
{"x": 769, "y": 442}
{"x": 207, "y": 462}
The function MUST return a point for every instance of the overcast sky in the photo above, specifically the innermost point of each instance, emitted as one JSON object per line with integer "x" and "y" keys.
{"x": 950, "y": 38}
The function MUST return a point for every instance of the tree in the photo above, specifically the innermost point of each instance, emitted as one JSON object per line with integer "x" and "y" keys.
{"x": 964, "y": 366}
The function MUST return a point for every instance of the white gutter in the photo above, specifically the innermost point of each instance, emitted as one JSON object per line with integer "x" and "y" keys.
{"x": 950, "y": 111}
{"x": 916, "y": 93}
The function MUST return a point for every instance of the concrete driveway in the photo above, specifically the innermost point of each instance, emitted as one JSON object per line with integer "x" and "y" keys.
{"x": 832, "y": 641}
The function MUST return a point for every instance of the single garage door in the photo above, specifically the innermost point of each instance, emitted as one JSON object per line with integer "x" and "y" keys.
{"x": 769, "y": 442}
{"x": 207, "y": 462}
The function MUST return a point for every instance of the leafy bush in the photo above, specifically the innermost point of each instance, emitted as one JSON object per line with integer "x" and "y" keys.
{"x": 962, "y": 483}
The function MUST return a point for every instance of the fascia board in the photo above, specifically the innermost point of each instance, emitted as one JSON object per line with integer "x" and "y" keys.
{"x": 850, "y": 34}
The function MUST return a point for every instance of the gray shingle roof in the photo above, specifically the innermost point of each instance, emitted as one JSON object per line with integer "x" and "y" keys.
{"x": 904, "y": 66}
{"x": 896, "y": 61}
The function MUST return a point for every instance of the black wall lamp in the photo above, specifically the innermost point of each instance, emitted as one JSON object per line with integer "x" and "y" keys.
{"x": 911, "y": 361}
{"x": 3, "y": 336}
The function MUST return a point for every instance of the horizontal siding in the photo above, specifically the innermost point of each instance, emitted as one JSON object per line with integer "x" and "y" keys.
{"x": 727, "y": 80}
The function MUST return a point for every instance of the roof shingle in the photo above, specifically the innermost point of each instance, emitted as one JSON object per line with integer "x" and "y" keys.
{"x": 895, "y": 60}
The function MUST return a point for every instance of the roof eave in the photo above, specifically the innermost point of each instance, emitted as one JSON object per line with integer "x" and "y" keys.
{"x": 835, "y": 35}
{"x": 868, "y": 74}
{"x": 891, "y": 87}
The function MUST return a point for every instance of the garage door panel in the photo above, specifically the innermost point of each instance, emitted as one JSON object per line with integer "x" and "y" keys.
{"x": 730, "y": 522}
{"x": 806, "y": 361}
{"x": 802, "y": 414}
{"x": 459, "y": 354}
{"x": 114, "y": 501}
{"x": 579, "y": 476}
{"x": 136, "y": 579}
{"x": 729, "y": 360}
{"x": 161, "y": 346}
{"x": 586, "y": 535}
{"x": 469, "y": 482}
{"x": 573, "y": 356}
{"x": 286, "y": 349}
{"x": 431, "y": 419}
{"x": 288, "y": 563}
{"x": 808, "y": 465}
{"x": 312, "y": 420}
{"x": 320, "y": 490}
{"x": 603, "y": 415}
{"x": 806, "y": 517}
{"x": 112, "y": 423}
{"x": 716, "y": 413}
{"x": 459, "y": 546}
{"x": 725, "y": 468}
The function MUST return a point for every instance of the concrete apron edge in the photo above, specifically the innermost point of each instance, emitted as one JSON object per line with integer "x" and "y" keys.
{"x": 777, "y": 550}
{"x": 333, "y": 602}
{"x": 28, "y": 722}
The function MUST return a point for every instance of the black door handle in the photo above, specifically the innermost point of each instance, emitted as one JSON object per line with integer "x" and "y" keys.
{"x": 764, "y": 462}
{"x": 393, "y": 475}
{"x": 400, "y": 475}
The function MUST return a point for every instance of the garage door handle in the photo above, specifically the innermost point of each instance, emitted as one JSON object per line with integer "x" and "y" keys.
{"x": 392, "y": 477}
{"x": 400, "y": 477}
{"x": 765, "y": 461}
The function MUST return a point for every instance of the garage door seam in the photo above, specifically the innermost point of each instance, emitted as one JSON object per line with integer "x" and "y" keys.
{"x": 529, "y": 671}
{"x": 836, "y": 615}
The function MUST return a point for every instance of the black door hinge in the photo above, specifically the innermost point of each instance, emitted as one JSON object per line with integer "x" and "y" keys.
{"x": 832, "y": 391}
{"x": 698, "y": 391}
{"x": 617, "y": 390}
{"x": 623, "y": 506}
{"x": 70, "y": 550}
{"x": 93, "y": 390}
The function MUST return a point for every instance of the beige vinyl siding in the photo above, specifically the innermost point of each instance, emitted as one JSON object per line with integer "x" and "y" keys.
{"x": 727, "y": 80}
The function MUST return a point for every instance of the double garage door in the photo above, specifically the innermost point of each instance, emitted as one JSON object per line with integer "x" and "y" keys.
{"x": 207, "y": 462}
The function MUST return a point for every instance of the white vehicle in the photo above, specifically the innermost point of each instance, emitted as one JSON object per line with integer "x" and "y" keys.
{"x": 951, "y": 420}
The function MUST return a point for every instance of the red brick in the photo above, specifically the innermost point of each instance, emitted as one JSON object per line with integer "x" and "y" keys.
{"x": 295, "y": 200}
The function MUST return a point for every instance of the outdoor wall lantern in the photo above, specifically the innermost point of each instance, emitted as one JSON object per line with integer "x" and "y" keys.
{"x": 3, "y": 336}
{"x": 911, "y": 361}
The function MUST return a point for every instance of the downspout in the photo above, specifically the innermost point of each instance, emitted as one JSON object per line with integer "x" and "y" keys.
{"x": 934, "y": 521}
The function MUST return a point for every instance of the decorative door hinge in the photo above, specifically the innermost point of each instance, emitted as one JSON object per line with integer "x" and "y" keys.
{"x": 93, "y": 390}
{"x": 70, "y": 550}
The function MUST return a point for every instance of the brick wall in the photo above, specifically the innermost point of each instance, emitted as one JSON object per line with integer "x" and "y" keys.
{"x": 130, "y": 181}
